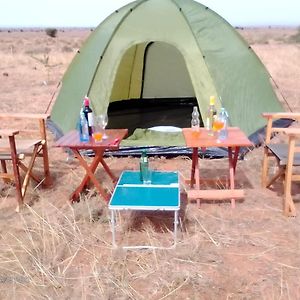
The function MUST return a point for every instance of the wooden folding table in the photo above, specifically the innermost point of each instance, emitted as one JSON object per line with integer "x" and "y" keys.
{"x": 236, "y": 139}
{"x": 71, "y": 140}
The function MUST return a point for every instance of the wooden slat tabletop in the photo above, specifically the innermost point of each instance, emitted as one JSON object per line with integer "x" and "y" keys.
{"x": 236, "y": 138}
{"x": 71, "y": 140}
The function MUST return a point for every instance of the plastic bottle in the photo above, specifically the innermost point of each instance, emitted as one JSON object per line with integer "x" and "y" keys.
{"x": 83, "y": 127}
{"x": 88, "y": 112}
{"x": 211, "y": 112}
{"x": 223, "y": 115}
{"x": 195, "y": 122}
{"x": 144, "y": 166}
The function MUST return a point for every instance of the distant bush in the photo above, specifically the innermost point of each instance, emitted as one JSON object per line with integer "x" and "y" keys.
{"x": 38, "y": 50}
{"x": 67, "y": 49}
{"x": 51, "y": 32}
{"x": 296, "y": 37}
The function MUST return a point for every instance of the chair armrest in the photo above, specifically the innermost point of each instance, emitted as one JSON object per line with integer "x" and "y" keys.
{"x": 270, "y": 116}
{"x": 279, "y": 115}
{"x": 24, "y": 116}
{"x": 8, "y": 132}
{"x": 7, "y": 142}
{"x": 292, "y": 131}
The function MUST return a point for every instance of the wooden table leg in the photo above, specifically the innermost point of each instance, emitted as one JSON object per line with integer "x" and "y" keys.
{"x": 85, "y": 181}
{"x": 90, "y": 170}
{"x": 195, "y": 174}
{"x": 232, "y": 158}
{"x": 108, "y": 170}
{"x": 194, "y": 163}
{"x": 93, "y": 166}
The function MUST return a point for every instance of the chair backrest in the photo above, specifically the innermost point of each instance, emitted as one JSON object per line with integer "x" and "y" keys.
{"x": 287, "y": 155}
{"x": 271, "y": 117}
{"x": 35, "y": 124}
{"x": 14, "y": 150}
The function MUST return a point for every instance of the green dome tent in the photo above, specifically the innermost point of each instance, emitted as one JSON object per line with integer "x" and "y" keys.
{"x": 167, "y": 49}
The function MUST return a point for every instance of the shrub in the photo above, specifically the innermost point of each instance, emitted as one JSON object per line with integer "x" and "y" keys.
{"x": 67, "y": 49}
{"x": 52, "y": 32}
{"x": 296, "y": 37}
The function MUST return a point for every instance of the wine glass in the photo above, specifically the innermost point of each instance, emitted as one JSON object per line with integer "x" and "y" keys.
{"x": 103, "y": 119}
{"x": 98, "y": 129}
{"x": 218, "y": 124}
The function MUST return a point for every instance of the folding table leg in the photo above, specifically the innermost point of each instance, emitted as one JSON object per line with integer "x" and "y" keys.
{"x": 93, "y": 166}
{"x": 89, "y": 176}
{"x": 232, "y": 158}
{"x": 195, "y": 174}
{"x": 175, "y": 227}
{"x": 108, "y": 171}
{"x": 113, "y": 220}
{"x": 194, "y": 166}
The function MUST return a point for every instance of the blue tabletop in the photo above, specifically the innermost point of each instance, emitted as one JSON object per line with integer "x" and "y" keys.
{"x": 130, "y": 193}
{"x": 157, "y": 178}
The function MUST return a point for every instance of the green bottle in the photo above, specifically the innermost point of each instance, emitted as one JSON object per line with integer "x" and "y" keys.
{"x": 144, "y": 164}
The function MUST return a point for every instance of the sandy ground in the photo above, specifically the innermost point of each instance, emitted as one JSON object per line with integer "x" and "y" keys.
{"x": 54, "y": 250}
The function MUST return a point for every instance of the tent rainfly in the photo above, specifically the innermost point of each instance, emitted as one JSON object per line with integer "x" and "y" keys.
{"x": 167, "y": 49}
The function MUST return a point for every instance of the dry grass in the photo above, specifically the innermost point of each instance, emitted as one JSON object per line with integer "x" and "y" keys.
{"x": 54, "y": 250}
{"x": 60, "y": 251}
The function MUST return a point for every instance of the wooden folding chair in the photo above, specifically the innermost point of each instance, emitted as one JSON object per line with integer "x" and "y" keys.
{"x": 287, "y": 157}
{"x": 15, "y": 147}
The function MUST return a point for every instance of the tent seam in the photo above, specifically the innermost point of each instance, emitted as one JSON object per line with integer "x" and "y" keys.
{"x": 203, "y": 56}
{"x": 130, "y": 79}
{"x": 113, "y": 34}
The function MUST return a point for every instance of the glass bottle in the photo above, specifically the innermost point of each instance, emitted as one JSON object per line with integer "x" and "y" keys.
{"x": 88, "y": 112}
{"x": 223, "y": 116}
{"x": 83, "y": 127}
{"x": 195, "y": 122}
{"x": 210, "y": 114}
{"x": 144, "y": 166}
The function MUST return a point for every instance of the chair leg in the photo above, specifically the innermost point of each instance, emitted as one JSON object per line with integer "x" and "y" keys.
{"x": 4, "y": 170}
{"x": 265, "y": 168}
{"x": 15, "y": 165}
{"x": 289, "y": 206}
{"x": 279, "y": 173}
{"x": 48, "y": 180}
{"x": 32, "y": 175}
{"x": 29, "y": 169}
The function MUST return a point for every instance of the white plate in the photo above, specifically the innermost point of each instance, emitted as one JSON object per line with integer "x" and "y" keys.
{"x": 166, "y": 129}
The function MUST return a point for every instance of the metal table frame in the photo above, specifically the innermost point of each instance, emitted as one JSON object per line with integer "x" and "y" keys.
{"x": 163, "y": 194}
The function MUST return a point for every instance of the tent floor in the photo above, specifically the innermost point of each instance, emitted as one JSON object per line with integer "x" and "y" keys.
{"x": 146, "y": 113}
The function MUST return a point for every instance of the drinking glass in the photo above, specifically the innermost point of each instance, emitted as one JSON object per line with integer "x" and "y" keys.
{"x": 103, "y": 119}
{"x": 218, "y": 124}
{"x": 98, "y": 130}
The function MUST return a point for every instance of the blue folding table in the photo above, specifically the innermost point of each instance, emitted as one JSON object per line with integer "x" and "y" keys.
{"x": 130, "y": 193}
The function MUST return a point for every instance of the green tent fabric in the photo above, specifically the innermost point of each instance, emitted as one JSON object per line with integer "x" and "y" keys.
{"x": 167, "y": 49}
{"x": 146, "y": 137}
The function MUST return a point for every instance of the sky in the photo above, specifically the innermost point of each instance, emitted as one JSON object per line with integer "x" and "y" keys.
{"x": 90, "y": 13}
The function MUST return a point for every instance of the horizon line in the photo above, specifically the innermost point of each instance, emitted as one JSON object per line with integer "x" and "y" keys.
{"x": 4, "y": 27}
